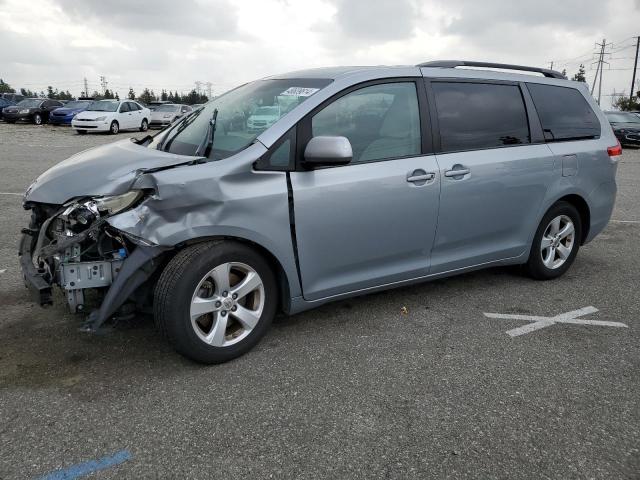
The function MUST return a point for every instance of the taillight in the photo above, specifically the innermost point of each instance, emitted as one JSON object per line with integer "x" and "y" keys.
{"x": 615, "y": 150}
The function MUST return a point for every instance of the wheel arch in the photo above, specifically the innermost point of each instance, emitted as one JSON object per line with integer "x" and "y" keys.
{"x": 284, "y": 300}
{"x": 583, "y": 209}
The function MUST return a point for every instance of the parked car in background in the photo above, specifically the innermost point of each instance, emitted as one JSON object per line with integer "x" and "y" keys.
{"x": 112, "y": 116}
{"x": 263, "y": 117}
{"x": 34, "y": 110}
{"x": 64, "y": 114}
{"x": 156, "y": 103}
{"x": 5, "y": 103}
{"x": 626, "y": 126}
{"x": 377, "y": 177}
{"x": 12, "y": 97}
{"x": 168, "y": 113}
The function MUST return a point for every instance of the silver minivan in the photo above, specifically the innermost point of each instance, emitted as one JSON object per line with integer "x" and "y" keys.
{"x": 369, "y": 178}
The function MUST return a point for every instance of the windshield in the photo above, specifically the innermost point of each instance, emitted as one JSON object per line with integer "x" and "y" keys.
{"x": 76, "y": 104}
{"x": 237, "y": 125}
{"x": 623, "y": 118}
{"x": 166, "y": 108}
{"x": 104, "y": 106}
{"x": 30, "y": 102}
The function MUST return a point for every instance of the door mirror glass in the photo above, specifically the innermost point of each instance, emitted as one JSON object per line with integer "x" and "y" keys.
{"x": 325, "y": 150}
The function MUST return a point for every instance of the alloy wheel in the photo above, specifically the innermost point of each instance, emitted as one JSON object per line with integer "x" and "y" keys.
{"x": 557, "y": 242}
{"x": 227, "y": 304}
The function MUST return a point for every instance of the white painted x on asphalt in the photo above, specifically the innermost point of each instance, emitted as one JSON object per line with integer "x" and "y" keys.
{"x": 542, "y": 322}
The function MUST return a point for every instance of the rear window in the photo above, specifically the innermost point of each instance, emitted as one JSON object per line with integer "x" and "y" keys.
{"x": 475, "y": 116}
{"x": 564, "y": 113}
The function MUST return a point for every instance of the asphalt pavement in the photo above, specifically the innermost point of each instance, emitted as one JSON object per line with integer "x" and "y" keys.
{"x": 410, "y": 383}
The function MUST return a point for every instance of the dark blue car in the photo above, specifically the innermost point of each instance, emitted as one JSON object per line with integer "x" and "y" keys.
{"x": 5, "y": 103}
{"x": 64, "y": 115}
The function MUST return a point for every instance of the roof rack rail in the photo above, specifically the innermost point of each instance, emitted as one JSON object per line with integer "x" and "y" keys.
{"x": 465, "y": 63}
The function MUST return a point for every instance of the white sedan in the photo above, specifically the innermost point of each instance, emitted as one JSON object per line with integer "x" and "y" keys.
{"x": 112, "y": 116}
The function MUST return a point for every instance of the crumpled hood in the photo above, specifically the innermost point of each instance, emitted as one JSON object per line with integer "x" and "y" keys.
{"x": 105, "y": 170}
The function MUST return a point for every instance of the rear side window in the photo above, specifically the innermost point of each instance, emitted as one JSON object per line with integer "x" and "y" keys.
{"x": 564, "y": 113}
{"x": 474, "y": 116}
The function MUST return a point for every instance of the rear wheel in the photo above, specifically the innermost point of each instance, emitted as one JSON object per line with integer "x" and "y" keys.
{"x": 144, "y": 126}
{"x": 214, "y": 301}
{"x": 114, "y": 128}
{"x": 556, "y": 242}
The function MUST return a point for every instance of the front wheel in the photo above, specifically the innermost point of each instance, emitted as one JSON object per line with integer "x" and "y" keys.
{"x": 556, "y": 242}
{"x": 37, "y": 119}
{"x": 144, "y": 126}
{"x": 215, "y": 300}
{"x": 114, "y": 128}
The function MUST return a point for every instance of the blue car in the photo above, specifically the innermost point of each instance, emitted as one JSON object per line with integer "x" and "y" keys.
{"x": 64, "y": 115}
{"x": 5, "y": 103}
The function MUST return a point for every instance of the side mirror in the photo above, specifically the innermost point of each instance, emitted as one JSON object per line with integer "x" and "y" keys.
{"x": 328, "y": 151}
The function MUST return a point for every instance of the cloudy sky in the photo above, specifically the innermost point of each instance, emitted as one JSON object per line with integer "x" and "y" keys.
{"x": 171, "y": 44}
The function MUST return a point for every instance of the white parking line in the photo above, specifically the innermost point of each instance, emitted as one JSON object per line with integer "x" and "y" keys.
{"x": 625, "y": 221}
{"x": 542, "y": 322}
{"x": 11, "y": 193}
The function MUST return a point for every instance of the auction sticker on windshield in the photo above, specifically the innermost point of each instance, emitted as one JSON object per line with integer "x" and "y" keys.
{"x": 300, "y": 91}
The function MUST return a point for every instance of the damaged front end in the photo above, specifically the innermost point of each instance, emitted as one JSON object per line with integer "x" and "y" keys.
{"x": 72, "y": 246}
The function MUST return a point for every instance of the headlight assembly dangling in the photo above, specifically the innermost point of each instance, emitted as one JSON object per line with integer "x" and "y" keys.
{"x": 117, "y": 203}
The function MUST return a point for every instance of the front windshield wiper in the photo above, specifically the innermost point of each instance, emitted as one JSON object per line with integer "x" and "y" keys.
{"x": 179, "y": 126}
{"x": 207, "y": 142}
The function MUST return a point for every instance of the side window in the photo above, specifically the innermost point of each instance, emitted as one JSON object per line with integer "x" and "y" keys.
{"x": 282, "y": 156}
{"x": 381, "y": 121}
{"x": 124, "y": 107}
{"x": 132, "y": 106}
{"x": 564, "y": 113}
{"x": 475, "y": 116}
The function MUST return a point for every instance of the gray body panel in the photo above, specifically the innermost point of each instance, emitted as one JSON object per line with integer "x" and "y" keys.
{"x": 364, "y": 224}
{"x": 359, "y": 228}
{"x": 488, "y": 214}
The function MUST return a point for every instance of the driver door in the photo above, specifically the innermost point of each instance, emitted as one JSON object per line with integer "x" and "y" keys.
{"x": 371, "y": 222}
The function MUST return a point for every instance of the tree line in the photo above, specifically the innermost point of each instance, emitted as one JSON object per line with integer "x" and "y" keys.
{"x": 146, "y": 96}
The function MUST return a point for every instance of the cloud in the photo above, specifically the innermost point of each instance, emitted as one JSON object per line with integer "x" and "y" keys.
{"x": 212, "y": 19}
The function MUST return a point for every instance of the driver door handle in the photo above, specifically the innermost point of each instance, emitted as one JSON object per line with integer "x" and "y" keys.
{"x": 421, "y": 177}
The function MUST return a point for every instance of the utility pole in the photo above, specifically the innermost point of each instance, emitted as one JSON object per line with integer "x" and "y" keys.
{"x": 208, "y": 84}
{"x": 103, "y": 83}
{"x": 551, "y": 65}
{"x": 635, "y": 67}
{"x": 86, "y": 87}
{"x": 601, "y": 61}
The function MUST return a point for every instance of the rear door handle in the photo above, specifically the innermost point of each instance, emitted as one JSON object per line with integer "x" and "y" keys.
{"x": 457, "y": 172}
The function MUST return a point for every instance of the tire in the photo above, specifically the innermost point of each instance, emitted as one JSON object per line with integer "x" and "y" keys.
{"x": 189, "y": 273}
{"x": 81, "y": 132}
{"x": 114, "y": 128}
{"x": 37, "y": 119}
{"x": 144, "y": 126}
{"x": 560, "y": 249}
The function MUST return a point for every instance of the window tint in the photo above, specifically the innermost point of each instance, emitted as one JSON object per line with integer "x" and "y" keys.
{"x": 381, "y": 121}
{"x": 564, "y": 113}
{"x": 480, "y": 115}
{"x": 124, "y": 107}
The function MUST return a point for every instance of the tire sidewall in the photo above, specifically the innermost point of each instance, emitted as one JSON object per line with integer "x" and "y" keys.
{"x": 111, "y": 127}
{"x": 536, "y": 267}
{"x": 179, "y": 328}
{"x": 37, "y": 119}
{"x": 144, "y": 126}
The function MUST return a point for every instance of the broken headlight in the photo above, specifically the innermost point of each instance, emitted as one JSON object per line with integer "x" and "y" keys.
{"x": 117, "y": 203}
